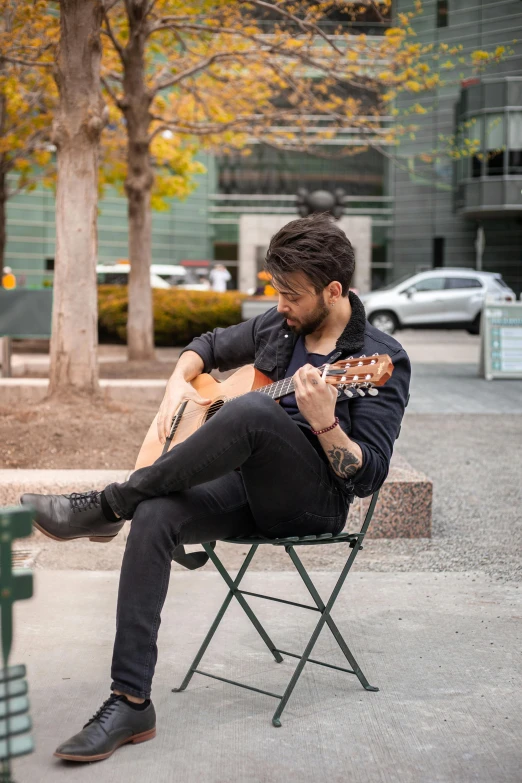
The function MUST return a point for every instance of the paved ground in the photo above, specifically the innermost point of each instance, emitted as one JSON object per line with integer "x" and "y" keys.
{"x": 439, "y": 388}
{"x": 441, "y": 647}
{"x": 438, "y": 345}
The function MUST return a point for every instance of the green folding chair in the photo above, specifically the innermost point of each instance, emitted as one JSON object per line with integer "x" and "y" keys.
{"x": 354, "y": 542}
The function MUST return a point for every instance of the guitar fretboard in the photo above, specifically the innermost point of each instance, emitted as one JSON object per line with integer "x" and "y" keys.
{"x": 278, "y": 389}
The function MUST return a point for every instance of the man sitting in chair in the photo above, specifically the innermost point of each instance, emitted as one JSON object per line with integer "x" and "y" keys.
{"x": 255, "y": 467}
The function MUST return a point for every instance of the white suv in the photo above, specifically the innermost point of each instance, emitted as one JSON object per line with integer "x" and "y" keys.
{"x": 448, "y": 297}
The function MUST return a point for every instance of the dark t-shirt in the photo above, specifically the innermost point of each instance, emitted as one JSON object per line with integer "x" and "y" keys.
{"x": 299, "y": 358}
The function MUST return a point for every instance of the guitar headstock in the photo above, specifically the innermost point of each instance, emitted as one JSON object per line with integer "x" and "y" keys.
{"x": 360, "y": 375}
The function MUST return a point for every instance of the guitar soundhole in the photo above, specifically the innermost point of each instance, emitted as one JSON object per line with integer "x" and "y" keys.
{"x": 213, "y": 409}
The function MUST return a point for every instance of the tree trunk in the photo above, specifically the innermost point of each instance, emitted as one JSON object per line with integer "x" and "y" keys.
{"x": 140, "y": 325}
{"x": 138, "y": 185}
{"x": 76, "y": 132}
{"x": 3, "y": 219}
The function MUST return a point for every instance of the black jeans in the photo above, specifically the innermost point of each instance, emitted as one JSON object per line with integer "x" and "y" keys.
{"x": 195, "y": 494}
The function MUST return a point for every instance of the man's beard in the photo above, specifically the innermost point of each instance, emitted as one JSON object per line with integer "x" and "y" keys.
{"x": 313, "y": 322}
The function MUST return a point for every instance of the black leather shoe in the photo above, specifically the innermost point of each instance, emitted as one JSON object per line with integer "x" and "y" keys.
{"x": 64, "y": 517}
{"x": 113, "y": 725}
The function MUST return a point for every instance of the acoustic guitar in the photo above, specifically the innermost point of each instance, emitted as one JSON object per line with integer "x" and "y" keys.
{"x": 354, "y": 376}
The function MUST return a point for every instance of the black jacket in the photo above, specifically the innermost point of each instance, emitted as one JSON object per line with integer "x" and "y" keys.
{"x": 372, "y": 422}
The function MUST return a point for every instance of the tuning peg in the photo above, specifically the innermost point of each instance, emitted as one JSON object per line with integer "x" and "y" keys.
{"x": 360, "y": 392}
{"x": 373, "y": 391}
{"x": 349, "y": 393}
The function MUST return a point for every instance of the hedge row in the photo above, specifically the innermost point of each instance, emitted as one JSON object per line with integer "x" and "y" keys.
{"x": 179, "y": 315}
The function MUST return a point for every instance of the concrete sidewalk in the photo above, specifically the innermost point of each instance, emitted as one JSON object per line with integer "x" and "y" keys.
{"x": 454, "y": 346}
{"x": 443, "y": 648}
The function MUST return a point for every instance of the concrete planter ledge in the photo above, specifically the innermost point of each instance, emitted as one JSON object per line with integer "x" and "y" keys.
{"x": 403, "y": 510}
{"x": 14, "y": 483}
{"x": 28, "y": 391}
{"x": 404, "y": 506}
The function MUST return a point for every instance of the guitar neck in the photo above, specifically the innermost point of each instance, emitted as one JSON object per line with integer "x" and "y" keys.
{"x": 278, "y": 388}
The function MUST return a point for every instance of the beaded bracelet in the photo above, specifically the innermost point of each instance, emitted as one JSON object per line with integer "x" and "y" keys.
{"x": 326, "y": 429}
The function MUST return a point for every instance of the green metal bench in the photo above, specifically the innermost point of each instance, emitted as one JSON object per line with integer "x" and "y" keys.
{"x": 353, "y": 541}
{"x": 15, "y": 585}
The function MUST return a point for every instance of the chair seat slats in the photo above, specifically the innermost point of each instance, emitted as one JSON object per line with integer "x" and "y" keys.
{"x": 323, "y": 538}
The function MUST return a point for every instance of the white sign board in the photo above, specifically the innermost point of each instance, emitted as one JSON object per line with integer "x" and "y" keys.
{"x": 501, "y": 332}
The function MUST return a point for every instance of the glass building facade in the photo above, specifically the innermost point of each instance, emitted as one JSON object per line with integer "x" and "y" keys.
{"x": 440, "y": 206}
{"x": 489, "y": 116}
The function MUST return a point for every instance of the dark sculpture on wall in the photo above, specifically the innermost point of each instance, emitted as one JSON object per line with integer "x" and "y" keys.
{"x": 320, "y": 201}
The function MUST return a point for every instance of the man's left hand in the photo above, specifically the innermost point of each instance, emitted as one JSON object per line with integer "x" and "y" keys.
{"x": 315, "y": 398}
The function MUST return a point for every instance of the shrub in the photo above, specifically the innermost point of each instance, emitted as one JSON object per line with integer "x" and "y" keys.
{"x": 179, "y": 315}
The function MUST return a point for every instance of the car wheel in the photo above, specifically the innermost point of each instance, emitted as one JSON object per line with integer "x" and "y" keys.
{"x": 384, "y": 321}
{"x": 474, "y": 327}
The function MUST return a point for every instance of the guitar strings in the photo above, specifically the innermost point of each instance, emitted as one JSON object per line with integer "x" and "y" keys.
{"x": 204, "y": 409}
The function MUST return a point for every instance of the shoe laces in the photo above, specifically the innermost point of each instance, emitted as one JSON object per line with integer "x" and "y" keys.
{"x": 82, "y": 501}
{"x": 105, "y": 710}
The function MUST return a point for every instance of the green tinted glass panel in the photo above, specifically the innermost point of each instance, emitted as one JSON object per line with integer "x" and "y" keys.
{"x": 10, "y": 727}
{"x": 17, "y": 746}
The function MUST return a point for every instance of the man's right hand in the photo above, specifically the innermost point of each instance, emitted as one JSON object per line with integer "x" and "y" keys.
{"x": 178, "y": 390}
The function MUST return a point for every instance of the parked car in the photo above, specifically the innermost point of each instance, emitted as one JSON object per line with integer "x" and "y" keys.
{"x": 161, "y": 275}
{"x": 446, "y": 297}
{"x": 173, "y": 274}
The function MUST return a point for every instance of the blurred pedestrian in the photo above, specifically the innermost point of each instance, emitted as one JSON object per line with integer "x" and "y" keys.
{"x": 219, "y": 277}
{"x": 8, "y": 279}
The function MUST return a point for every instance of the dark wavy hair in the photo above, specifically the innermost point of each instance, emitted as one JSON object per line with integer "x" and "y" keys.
{"x": 314, "y": 245}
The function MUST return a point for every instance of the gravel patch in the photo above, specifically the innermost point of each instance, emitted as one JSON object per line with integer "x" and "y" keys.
{"x": 475, "y": 463}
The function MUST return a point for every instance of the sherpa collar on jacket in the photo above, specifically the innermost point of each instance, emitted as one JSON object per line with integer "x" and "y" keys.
{"x": 352, "y": 339}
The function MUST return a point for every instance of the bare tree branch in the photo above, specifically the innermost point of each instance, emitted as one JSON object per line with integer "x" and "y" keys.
{"x": 111, "y": 92}
{"x": 111, "y": 35}
{"x": 28, "y": 63}
{"x": 108, "y": 5}
{"x": 202, "y": 65}
{"x": 274, "y": 49}
{"x": 150, "y": 7}
{"x": 303, "y": 25}
{"x": 375, "y": 7}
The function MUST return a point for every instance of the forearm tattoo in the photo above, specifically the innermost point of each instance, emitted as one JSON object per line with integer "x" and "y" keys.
{"x": 343, "y": 461}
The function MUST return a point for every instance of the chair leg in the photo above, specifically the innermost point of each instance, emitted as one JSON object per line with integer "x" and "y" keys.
{"x": 325, "y": 618}
{"x": 297, "y": 673}
{"x": 233, "y": 586}
{"x": 329, "y": 619}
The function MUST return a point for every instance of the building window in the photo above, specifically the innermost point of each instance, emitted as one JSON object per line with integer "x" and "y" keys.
{"x": 495, "y": 145}
{"x": 515, "y": 143}
{"x": 469, "y": 140}
{"x": 442, "y": 13}
{"x": 438, "y": 252}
